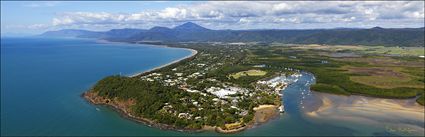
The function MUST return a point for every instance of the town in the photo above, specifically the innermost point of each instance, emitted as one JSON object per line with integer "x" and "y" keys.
{"x": 218, "y": 87}
{"x": 229, "y": 86}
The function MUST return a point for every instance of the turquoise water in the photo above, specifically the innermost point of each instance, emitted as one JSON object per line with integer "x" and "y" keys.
{"x": 42, "y": 80}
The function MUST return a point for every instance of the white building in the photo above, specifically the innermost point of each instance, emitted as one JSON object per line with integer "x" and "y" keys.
{"x": 178, "y": 74}
{"x": 224, "y": 92}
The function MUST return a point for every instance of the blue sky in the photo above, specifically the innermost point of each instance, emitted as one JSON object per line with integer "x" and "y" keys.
{"x": 34, "y": 17}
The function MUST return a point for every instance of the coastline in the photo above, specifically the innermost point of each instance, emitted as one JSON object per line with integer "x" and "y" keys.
{"x": 124, "y": 111}
{"x": 362, "y": 105}
{"x": 362, "y": 109}
{"x": 263, "y": 112}
{"x": 192, "y": 54}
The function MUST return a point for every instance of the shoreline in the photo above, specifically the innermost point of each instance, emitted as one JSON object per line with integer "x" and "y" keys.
{"x": 124, "y": 110}
{"x": 331, "y": 101}
{"x": 263, "y": 114}
{"x": 361, "y": 110}
{"x": 192, "y": 54}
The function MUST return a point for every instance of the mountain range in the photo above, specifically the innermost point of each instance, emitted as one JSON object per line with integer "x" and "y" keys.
{"x": 191, "y": 32}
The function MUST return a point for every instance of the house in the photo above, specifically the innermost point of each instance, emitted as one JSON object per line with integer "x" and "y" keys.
{"x": 259, "y": 66}
{"x": 215, "y": 99}
{"x": 178, "y": 74}
{"x": 184, "y": 115}
{"x": 195, "y": 103}
{"x": 192, "y": 91}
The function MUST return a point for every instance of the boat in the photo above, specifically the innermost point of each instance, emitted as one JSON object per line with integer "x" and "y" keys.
{"x": 281, "y": 109}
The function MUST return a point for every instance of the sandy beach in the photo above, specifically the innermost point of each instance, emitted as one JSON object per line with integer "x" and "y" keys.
{"x": 193, "y": 53}
{"x": 123, "y": 107}
{"x": 264, "y": 113}
{"x": 401, "y": 116}
{"x": 370, "y": 105}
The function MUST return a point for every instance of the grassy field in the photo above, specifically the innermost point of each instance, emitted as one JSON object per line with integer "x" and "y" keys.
{"x": 403, "y": 51}
{"x": 380, "y": 50}
{"x": 252, "y": 72}
{"x": 384, "y": 77}
{"x": 333, "y": 48}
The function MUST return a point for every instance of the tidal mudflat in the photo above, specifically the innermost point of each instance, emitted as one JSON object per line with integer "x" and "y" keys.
{"x": 399, "y": 117}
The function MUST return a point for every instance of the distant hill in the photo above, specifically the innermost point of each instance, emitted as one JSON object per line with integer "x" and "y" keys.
{"x": 190, "y": 27}
{"x": 72, "y": 33}
{"x": 195, "y": 33}
{"x": 120, "y": 34}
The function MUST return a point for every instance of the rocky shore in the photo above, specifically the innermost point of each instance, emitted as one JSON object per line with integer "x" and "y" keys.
{"x": 263, "y": 114}
{"x": 123, "y": 107}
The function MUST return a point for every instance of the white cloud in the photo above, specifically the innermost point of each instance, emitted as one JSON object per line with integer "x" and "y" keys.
{"x": 268, "y": 14}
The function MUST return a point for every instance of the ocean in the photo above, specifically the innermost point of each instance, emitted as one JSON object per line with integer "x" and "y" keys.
{"x": 42, "y": 80}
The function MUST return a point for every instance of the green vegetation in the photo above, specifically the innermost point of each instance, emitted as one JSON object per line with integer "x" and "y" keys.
{"x": 185, "y": 94}
{"x": 329, "y": 89}
{"x": 347, "y": 70}
{"x": 404, "y": 51}
{"x": 386, "y": 81}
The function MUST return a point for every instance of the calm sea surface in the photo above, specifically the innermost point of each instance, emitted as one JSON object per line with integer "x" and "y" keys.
{"x": 42, "y": 80}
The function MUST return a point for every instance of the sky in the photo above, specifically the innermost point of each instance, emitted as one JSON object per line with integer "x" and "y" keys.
{"x": 34, "y": 17}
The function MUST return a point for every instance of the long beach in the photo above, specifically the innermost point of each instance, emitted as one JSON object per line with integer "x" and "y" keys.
{"x": 193, "y": 53}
